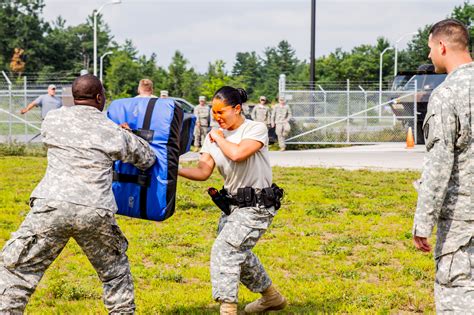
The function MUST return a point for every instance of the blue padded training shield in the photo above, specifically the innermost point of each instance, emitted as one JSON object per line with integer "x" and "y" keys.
{"x": 151, "y": 194}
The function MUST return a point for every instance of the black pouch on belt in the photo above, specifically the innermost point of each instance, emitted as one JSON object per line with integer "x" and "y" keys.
{"x": 246, "y": 197}
{"x": 272, "y": 196}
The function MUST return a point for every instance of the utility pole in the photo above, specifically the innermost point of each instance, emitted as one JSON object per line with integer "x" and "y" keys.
{"x": 312, "y": 74}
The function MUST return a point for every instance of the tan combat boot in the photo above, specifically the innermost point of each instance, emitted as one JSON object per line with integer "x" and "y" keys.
{"x": 271, "y": 300}
{"x": 228, "y": 308}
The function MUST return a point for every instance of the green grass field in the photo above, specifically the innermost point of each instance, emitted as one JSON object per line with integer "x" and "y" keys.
{"x": 340, "y": 244}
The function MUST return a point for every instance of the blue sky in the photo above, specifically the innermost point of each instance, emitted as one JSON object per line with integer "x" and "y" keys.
{"x": 217, "y": 29}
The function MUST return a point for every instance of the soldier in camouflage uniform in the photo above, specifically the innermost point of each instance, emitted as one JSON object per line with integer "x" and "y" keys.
{"x": 446, "y": 188}
{"x": 213, "y": 123}
{"x": 261, "y": 112}
{"x": 240, "y": 152}
{"x": 246, "y": 111}
{"x": 281, "y": 116}
{"x": 202, "y": 122}
{"x": 75, "y": 199}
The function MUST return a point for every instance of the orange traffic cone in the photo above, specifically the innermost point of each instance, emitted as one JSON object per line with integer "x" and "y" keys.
{"x": 410, "y": 140}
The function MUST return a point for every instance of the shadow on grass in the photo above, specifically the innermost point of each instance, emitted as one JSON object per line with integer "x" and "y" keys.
{"x": 316, "y": 307}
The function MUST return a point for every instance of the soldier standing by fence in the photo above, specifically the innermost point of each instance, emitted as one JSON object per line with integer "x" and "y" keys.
{"x": 202, "y": 113}
{"x": 446, "y": 191}
{"x": 75, "y": 199}
{"x": 281, "y": 116}
{"x": 261, "y": 112}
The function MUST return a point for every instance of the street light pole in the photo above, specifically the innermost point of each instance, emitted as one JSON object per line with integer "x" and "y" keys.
{"x": 96, "y": 12}
{"x": 395, "y": 67}
{"x": 380, "y": 73}
{"x": 312, "y": 74}
{"x": 101, "y": 64}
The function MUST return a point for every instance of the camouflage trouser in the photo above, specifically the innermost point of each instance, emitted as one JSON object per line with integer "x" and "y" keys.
{"x": 454, "y": 284}
{"x": 41, "y": 238}
{"x": 282, "y": 130}
{"x": 200, "y": 134}
{"x": 232, "y": 260}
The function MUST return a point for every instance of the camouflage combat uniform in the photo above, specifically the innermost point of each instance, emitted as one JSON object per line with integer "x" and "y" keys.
{"x": 246, "y": 111}
{"x": 213, "y": 123}
{"x": 446, "y": 191}
{"x": 261, "y": 113}
{"x": 202, "y": 123}
{"x": 75, "y": 199}
{"x": 232, "y": 259}
{"x": 281, "y": 116}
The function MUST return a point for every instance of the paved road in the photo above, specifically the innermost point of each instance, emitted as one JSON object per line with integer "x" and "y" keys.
{"x": 387, "y": 157}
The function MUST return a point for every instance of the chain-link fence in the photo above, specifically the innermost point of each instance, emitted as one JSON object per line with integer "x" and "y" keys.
{"x": 328, "y": 116}
{"x": 15, "y": 127}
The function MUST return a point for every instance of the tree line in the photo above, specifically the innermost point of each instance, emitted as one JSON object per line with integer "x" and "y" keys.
{"x": 31, "y": 46}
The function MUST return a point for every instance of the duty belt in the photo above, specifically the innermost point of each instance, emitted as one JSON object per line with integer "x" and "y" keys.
{"x": 247, "y": 197}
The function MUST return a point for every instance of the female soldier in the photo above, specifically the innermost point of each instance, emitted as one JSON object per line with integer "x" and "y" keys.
{"x": 240, "y": 151}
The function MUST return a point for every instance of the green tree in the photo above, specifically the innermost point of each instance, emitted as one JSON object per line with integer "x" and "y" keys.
{"x": 123, "y": 75}
{"x": 247, "y": 71}
{"x": 22, "y": 27}
{"x": 277, "y": 60}
{"x": 287, "y": 62}
{"x": 465, "y": 14}
{"x": 176, "y": 74}
{"x": 215, "y": 78}
{"x": 149, "y": 69}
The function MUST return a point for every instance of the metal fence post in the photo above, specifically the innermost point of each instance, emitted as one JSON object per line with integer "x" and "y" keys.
{"x": 9, "y": 106}
{"x": 415, "y": 113}
{"x": 324, "y": 100}
{"x": 348, "y": 111}
{"x": 25, "y": 100}
{"x": 365, "y": 103}
{"x": 282, "y": 84}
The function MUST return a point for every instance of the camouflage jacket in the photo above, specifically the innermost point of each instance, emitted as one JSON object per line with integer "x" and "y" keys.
{"x": 202, "y": 115}
{"x": 82, "y": 146}
{"x": 281, "y": 114}
{"x": 446, "y": 188}
{"x": 261, "y": 113}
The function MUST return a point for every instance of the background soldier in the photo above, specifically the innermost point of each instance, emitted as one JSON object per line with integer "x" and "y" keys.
{"x": 261, "y": 112}
{"x": 163, "y": 94}
{"x": 246, "y": 111}
{"x": 446, "y": 190}
{"x": 75, "y": 199}
{"x": 202, "y": 122}
{"x": 281, "y": 116}
{"x": 145, "y": 88}
{"x": 213, "y": 123}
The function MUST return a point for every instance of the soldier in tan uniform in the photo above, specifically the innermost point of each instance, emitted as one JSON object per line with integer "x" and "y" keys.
{"x": 261, "y": 112}
{"x": 281, "y": 116}
{"x": 75, "y": 199}
{"x": 202, "y": 113}
{"x": 446, "y": 188}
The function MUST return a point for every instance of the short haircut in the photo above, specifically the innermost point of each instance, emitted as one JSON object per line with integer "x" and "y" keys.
{"x": 146, "y": 85}
{"x": 86, "y": 86}
{"x": 454, "y": 31}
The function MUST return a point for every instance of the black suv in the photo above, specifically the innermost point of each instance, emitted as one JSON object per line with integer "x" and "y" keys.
{"x": 426, "y": 81}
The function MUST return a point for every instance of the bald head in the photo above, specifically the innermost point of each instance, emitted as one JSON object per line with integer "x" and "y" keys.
{"x": 88, "y": 90}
